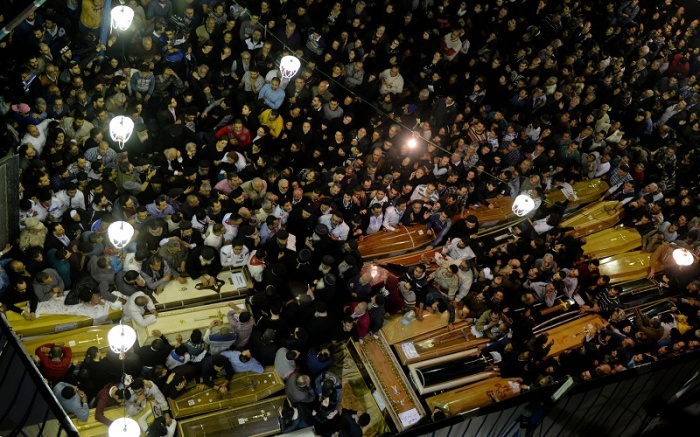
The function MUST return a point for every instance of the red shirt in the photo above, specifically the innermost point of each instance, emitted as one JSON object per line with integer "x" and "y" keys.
{"x": 362, "y": 321}
{"x": 53, "y": 370}
{"x": 104, "y": 400}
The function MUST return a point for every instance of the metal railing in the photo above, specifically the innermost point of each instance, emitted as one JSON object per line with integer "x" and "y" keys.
{"x": 27, "y": 405}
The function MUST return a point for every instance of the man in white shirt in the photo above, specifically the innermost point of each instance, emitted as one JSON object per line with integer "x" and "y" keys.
{"x": 72, "y": 197}
{"x": 394, "y": 214}
{"x": 141, "y": 391}
{"x": 136, "y": 307}
{"x": 376, "y": 220}
{"x": 457, "y": 250}
{"x": 235, "y": 254}
{"x": 338, "y": 229}
{"x": 391, "y": 81}
{"x": 426, "y": 192}
{"x": 36, "y": 135}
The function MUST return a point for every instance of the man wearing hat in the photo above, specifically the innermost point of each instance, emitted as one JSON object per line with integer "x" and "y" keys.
{"x": 276, "y": 247}
{"x": 301, "y": 222}
{"x": 21, "y": 114}
{"x": 203, "y": 264}
{"x": 33, "y": 235}
{"x": 319, "y": 242}
{"x": 187, "y": 235}
{"x": 299, "y": 266}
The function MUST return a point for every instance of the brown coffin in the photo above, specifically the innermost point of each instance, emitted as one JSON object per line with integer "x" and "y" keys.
{"x": 403, "y": 239}
{"x": 79, "y": 340}
{"x": 401, "y": 402}
{"x": 611, "y": 241}
{"x": 587, "y": 192}
{"x": 410, "y": 259}
{"x": 571, "y": 334}
{"x": 502, "y": 211}
{"x": 255, "y": 420}
{"x": 472, "y": 396}
{"x": 244, "y": 388}
{"x": 593, "y": 218}
{"x": 437, "y": 343}
{"x": 625, "y": 266}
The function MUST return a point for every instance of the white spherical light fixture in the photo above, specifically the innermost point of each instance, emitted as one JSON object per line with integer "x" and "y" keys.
{"x": 523, "y": 204}
{"x": 120, "y": 129}
{"x": 289, "y": 65}
{"x": 124, "y": 427}
{"x": 120, "y": 233}
{"x": 122, "y": 16}
{"x": 121, "y": 338}
{"x": 683, "y": 257}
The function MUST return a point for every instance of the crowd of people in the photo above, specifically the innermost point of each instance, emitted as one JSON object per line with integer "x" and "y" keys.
{"x": 401, "y": 113}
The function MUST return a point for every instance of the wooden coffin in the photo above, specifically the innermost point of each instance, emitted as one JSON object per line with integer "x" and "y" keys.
{"x": 398, "y": 397}
{"x": 472, "y": 396}
{"x": 395, "y": 331}
{"x": 502, "y": 211}
{"x": 410, "y": 259}
{"x": 593, "y": 218}
{"x": 253, "y": 420}
{"x": 586, "y": 191}
{"x": 52, "y": 323}
{"x": 455, "y": 361}
{"x": 437, "y": 343}
{"x": 244, "y": 388}
{"x": 611, "y": 241}
{"x": 235, "y": 283}
{"x": 403, "y": 239}
{"x": 625, "y": 266}
{"x": 571, "y": 334}
{"x": 183, "y": 321}
{"x": 79, "y": 340}
{"x": 93, "y": 428}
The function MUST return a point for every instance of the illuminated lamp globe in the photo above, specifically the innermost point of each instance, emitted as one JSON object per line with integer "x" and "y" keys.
{"x": 121, "y": 338}
{"x": 120, "y": 233}
{"x": 124, "y": 427}
{"x": 683, "y": 257}
{"x": 523, "y": 204}
{"x": 122, "y": 16}
{"x": 289, "y": 65}
{"x": 412, "y": 143}
{"x": 120, "y": 129}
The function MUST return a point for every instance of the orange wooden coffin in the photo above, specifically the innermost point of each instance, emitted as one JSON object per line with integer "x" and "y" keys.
{"x": 593, "y": 218}
{"x": 625, "y": 266}
{"x": 611, "y": 241}
{"x": 403, "y": 239}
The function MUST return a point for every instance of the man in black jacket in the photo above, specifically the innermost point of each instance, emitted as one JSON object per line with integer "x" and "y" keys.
{"x": 203, "y": 264}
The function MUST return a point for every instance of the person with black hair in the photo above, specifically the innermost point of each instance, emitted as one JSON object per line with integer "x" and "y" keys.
{"x": 203, "y": 264}
{"x": 110, "y": 395}
{"x": 353, "y": 422}
{"x": 72, "y": 399}
{"x": 95, "y": 372}
{"x": 294, "y": 417}
{"x": 210, "y": 368}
